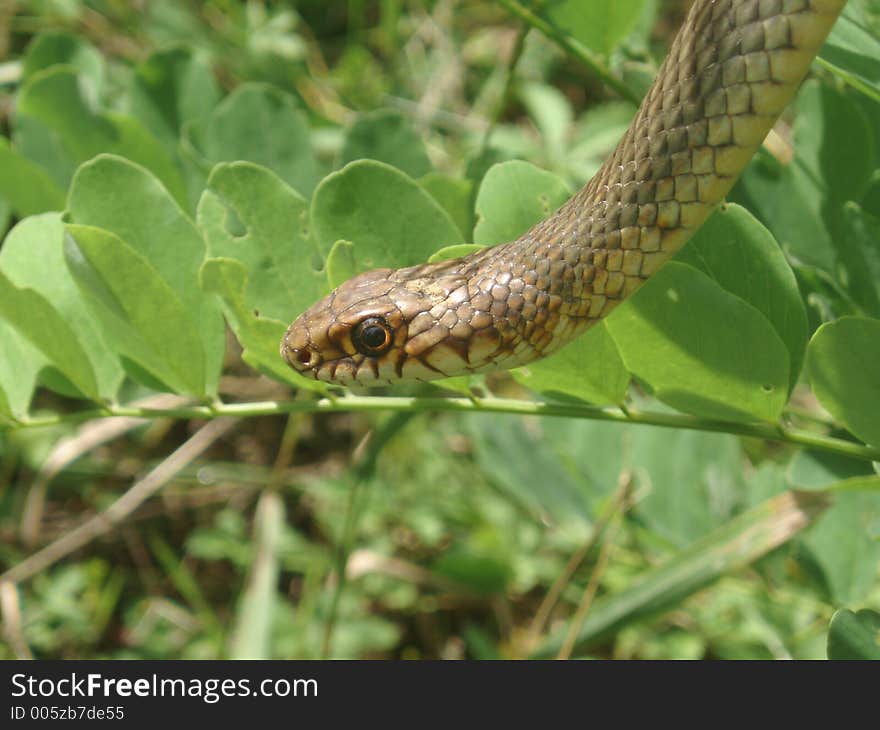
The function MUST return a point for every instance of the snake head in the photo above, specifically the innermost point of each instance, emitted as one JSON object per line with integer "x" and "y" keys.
{"x": 387, "y": 325}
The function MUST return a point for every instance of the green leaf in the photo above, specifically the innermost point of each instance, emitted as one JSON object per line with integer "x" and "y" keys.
{"x": 122, "y": 284}
{"x": 600, "y": 24}
{"x": 854, "y": 635}
{"x": 249, "y": 214}
{"x": 20, "y": 366}
{"x": 595, "y": 135}
{"x": 26, "y": 186}
{"x": 33, "y": 256}
{"x": 5, "y": 409}
{"x": 574, "y": 444}
{"x": 341, "y": 264}
{"x": 701, "y": 349}
{"x": 818, "y": 470}
{"x": 46, "y": 329}
{"x": 259, "y": 336}
{"x": 857, "y": 484}
{"x": 842, "y": 365}
{"x": 455, "y": 196}
{"x": 513, "y": 196}
{"x": 589, "y": 368}
{"x": 261, "y": 124}
{"x": 735, "y": 250}
{"x": 871, "y": 201}
{"x": 801, "y": 203}
{"x": 120, "y": 197}
{"x": 528, "y": 471}
{"x": 387, "y": 136}
{"x": 852, "y": 50}
{"x": 860, "y": 258}
{"x": 481, "y": 574}
{"x": 731, "y": 547}
{"x": 687, "y": 497}
{"x": 447, "y": 253}
{"x": 835, "y": 145}
{"x": 54, "y": 48}
{"x": 845, "y": 545}
{"x": 553, "y": 116}
{"x": 172, "y": 87}
{"x": 57, "y": 128}
{"x": 790, "y": 204}
{"x": 386, "y": 215}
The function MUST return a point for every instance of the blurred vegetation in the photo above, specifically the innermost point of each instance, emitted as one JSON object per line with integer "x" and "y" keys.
{"x": 416, "y": 534}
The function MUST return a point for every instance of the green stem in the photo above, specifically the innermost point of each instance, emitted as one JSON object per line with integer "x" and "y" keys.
{"x": 510, "y": 75}
{"x": 573, "y": 46}
{"x": 359, "y": 404}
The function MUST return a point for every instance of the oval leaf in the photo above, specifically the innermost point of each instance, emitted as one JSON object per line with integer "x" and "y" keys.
{"x": 125, "y": 199}
{"x": 842, "y": 362}
{"x": 264, "y": 125}
{"x": 272, "y": 242}
{"x": 739, "y": 253}
{"x": 700, "y": 349}
{"x": 26, "y": 186}
{"x": 259, "y": 336}
{"x": 33, "y": 256}
{"x": 148, "y": 305}
{"x": 513, "y": 197}
{"x": 42, "y": 325}
{"x": 57, "y": 128}
{"x": 854, "y": 635}
{"x": 386, "y": 136}
{"x": 386, "y": 215}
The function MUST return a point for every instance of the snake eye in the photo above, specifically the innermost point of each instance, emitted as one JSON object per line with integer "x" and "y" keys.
{"x": 372, "y": 337}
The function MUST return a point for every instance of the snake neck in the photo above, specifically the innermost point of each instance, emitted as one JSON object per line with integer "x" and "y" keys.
{"x": 730, "y": 72}
{"x": 732, "y": 69}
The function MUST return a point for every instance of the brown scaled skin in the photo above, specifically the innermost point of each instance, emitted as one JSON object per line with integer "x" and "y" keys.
{"x": 433, "y": 311}
{"x": 731, "y": 70}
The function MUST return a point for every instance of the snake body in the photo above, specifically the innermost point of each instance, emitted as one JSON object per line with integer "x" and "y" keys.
{"x": 731, "y": 70}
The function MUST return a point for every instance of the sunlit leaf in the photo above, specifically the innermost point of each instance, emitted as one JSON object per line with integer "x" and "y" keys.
{"x": 701, "y": 349}
{"x": 840, "y": 362}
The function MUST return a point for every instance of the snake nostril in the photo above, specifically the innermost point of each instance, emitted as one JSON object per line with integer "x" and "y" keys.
{"x": 304, "y": 356}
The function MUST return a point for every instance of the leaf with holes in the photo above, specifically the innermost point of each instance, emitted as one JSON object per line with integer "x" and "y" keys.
{"x": 249, "y": 214}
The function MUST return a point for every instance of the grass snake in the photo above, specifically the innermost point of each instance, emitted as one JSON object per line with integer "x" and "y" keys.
{"x": 731, "y": 70}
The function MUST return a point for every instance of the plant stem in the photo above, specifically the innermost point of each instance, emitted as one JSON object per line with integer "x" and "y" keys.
{"x": 573, "y": 46}
{"x": 409, "y": 404}
{"x": 510, "y": 74}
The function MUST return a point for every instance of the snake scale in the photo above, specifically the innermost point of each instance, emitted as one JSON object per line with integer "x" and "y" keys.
{"x": 731, "y": 70}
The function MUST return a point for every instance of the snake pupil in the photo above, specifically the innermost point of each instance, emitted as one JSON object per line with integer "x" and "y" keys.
{"x": 372, "y": 337}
